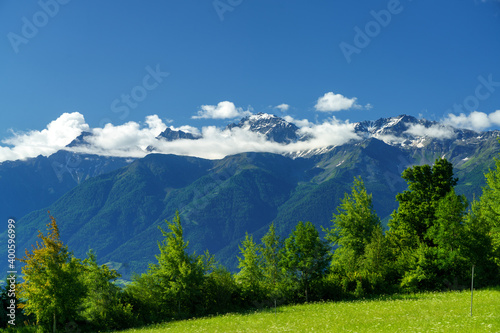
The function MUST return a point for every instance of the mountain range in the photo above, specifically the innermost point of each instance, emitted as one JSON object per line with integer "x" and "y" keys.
{"x": 115, "y": 205}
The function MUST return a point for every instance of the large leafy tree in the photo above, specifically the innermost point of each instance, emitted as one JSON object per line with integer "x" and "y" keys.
{"x": 427, "y": 231}
{"x": 417, "y": 206}
{"x": 305, "y": 256}
{"x": 52, "y": 289}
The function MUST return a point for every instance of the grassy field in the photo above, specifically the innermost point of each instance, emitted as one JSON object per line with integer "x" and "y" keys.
{"x": 429, "y": 312}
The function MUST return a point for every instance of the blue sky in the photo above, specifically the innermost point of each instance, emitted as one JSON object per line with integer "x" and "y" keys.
{"x": 423, "y": 58}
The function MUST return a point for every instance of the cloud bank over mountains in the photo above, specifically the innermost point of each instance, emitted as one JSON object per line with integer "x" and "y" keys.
{"x": 133, "y": 138}
{"x": 54, "y": 137}
{"x": 476, "y": 121}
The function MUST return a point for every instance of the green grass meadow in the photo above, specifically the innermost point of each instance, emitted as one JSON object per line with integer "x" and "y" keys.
{"x": 426, "y": 312}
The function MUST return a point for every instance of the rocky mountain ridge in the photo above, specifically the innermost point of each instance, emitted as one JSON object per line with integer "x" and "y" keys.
{"x": 114, "y": 205}
{"x": 274, "y": 128}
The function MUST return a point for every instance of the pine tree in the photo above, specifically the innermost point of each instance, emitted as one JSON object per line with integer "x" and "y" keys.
{"x": 182, "y": 273}
{"x": 173, "y": 286}
{"x": 52, "y": 289}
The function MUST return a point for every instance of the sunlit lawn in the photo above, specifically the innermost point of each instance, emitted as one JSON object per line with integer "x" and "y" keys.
{"x": 431, "y": 312}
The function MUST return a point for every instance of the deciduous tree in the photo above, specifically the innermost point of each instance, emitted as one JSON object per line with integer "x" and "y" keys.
{"x": 271, "y": 261}
{"x": 490, "y": 207}
{"x": 250, "y": 264}
{"x": 52, "y": 289}
{"x": 417, "y": 206}
{"x": 305, "y": 256}
{"x": 102, "y": 306}
{"x": 353, "y": 225}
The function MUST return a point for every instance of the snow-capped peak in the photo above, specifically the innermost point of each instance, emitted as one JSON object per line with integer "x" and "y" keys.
{"x": 273, "y": 127}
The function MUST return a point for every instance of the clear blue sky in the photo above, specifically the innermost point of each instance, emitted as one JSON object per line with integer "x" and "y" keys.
{"x": 84, "y": 55}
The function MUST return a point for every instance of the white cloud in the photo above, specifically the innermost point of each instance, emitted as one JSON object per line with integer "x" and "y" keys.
{"x": 331, "y": 102}
{"x": 223, "y": 110}
{"x": 132, "y": 138}
{"x": 56, "y": 136}
{"x": 475, "y": 120}
{"x": 298, "y": 122}
{"x": 127, "y": 140}
{"x": 434, "y": 131}
{"x": 329, "y": 133}
{"x": 186, "y": 128}
{"x": 217, "y": 143}
{"x": 495, "y": 117}
{"x": 282, "y": 107}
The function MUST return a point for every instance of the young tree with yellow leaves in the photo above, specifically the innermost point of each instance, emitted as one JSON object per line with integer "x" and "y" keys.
{"x": 52, "y": 289}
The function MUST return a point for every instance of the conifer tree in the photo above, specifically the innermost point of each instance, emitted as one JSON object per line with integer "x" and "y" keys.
{"x": 173, "y": 286}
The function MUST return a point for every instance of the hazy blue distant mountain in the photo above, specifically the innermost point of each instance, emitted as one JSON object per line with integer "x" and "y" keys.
{"x": 37, "y": 182}
{"x": 117, "y": 213}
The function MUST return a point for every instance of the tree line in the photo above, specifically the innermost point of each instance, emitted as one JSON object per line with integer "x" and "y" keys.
{"x": 433, "y": 239}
